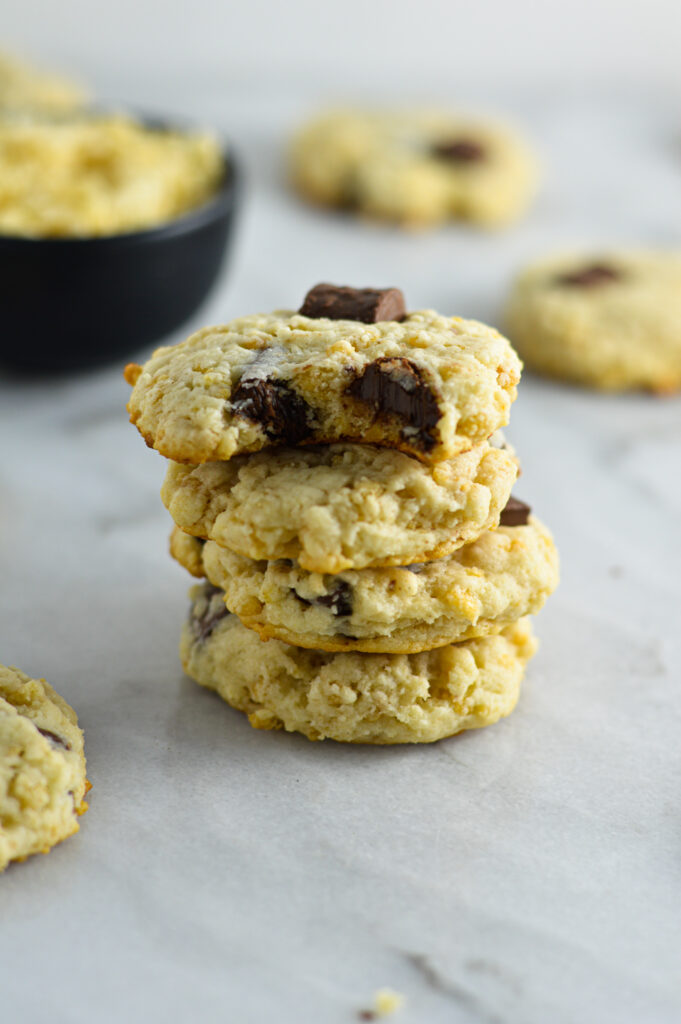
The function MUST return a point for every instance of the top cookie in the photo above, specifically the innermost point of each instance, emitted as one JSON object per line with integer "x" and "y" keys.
{"x": 42, "y": 767}
{"x": 426, "y": 384}
{"x": 609, "y": 320}
{"x": 417, "y": 167}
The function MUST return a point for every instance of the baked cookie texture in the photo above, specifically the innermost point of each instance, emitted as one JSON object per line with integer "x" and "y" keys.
{"x": 414, "y": 167}
{"x": 606, "y": 320}
{"x": 429, "y": 385}
{"x": 479, "y": 590}
{"x": 341, "y": 506}
{"x": 351, "y": 697}
{"x": 42, "y": 767}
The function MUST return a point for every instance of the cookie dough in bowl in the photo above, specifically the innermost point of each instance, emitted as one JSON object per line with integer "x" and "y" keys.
{"x": 100, "y": 175}
{"x": 42, "y": 767}
{"x": 353, "y": 697}
{"x": 608, "y": 320}
{"x": 415, "y": 167}
{"x": 479, "y": 590}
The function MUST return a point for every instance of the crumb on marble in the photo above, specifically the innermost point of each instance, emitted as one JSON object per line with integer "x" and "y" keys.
{"x": 386, "y": 1002}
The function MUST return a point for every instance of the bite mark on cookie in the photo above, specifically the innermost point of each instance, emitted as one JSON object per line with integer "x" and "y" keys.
{"x": 395, "y": 385}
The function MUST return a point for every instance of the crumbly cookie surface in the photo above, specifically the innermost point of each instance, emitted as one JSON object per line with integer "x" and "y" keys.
{"x": 42, "y": 767}
{"x": 427, "y": 384}
{"x": 417, "y": 168}
{"x": 478, "y": 591}
{"x": 607, "y": 320}
{"x": 341, "y": 506}
{"x": 353, "y": 697}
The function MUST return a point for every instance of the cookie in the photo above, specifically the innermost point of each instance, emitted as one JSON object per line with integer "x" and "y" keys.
{"x": 429, "y": 385}
{"x": 352, "y": 697}
{"x": 341, "y": 506}
{"x": 188, "y": 551}
{"x": 415, "y": 168}
{"x": 607, "y": 320}
{"x": 42, "y": 767}
{"x": 479, "y": 590}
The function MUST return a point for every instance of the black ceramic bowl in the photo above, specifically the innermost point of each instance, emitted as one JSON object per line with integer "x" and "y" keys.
{"x": 71, "y": 303}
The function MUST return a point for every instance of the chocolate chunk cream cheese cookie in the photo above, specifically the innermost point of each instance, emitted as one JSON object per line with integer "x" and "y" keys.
{"x": 42, "y": 767}
{"x": 341, "y": 506}
{"x": 351, "y": 364}
{"x": 414, "y": 167}
{"x": 351, "y": 697}
{"x": 483, "y": 587}
{"x": 608, "y": 320}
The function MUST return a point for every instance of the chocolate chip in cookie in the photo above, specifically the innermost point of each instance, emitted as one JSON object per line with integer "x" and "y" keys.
{"x": 368, "y": 305}
{"x": 339, "y": 598}
{"x": 263, "y": 398}
{"x": 589, "y": 277}
{"x": 56, "y": 741}
{"x": 394, "y": 384}
{"x": 459, "y": 151}
{"x": 516, "y": 513}
{"x": 206, "y": 613}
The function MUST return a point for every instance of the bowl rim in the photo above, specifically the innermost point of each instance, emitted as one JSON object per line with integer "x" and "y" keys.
{"x": 215, "y": 206}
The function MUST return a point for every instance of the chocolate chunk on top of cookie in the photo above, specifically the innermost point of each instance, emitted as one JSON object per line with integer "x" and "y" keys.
{"x": 368, "y": 305}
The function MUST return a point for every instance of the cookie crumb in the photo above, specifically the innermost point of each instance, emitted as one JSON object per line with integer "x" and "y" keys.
{"x": 386, "y": 1002}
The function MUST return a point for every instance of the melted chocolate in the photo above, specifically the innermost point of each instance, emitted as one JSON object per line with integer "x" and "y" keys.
{"x": 213, "y": 612}
{"x": 284, "y": 416}
{"x": 459, "y": 151}
{"x": 368, "y": 305}
{"x": 516, "y": 513}
{"x": 58, "y": 741}
{"x": 589, "y": 277}
{"x": 393, "y": 384}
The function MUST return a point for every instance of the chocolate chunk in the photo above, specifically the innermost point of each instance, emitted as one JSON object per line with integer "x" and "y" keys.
{"x": 368, "y": 305}
{"x": 57, "y": 741}
{"x": 263, "y": 398}
{"x": 588, "y": 277}
{"x": 516, "y": 513}
{"x": 339, "y": 599}
{"x": 213, "y": 610}
{"x": 393, "y": 384}
{"x": 459, "y": 151}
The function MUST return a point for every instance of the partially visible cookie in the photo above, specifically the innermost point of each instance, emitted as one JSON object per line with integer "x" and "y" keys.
{"x": 341, "y": 506}
{"x": 42, "y": 767}
{"x": 477, "y": 591}
{"x": 188, "y": 551}
{"x": 415, "y": 167}
{"x": 350, "y": 366}
{"x": 352, "y": 697}
{"x": 608, "y": 320}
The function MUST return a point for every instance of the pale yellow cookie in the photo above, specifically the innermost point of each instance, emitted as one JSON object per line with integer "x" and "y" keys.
{"x": 415, "y": 167}
{"x": 341, "y": 506}
{"x": 42, "y": 767}
{"x": 352, "y": 697}
{"x": 430, "y": 385}
{"x": 477, "y": 591}
{"x": 608, "y": 320}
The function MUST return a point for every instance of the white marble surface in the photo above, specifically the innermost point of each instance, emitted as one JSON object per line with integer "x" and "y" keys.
{"x": 525, "y": 873}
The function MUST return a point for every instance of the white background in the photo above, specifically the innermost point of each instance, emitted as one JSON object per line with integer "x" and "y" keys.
{"x": 380, "y": 43}
{"x": 524, "y": 874}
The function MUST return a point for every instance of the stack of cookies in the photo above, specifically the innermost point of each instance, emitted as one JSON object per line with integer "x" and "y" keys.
{"x": 338, "y": 479}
